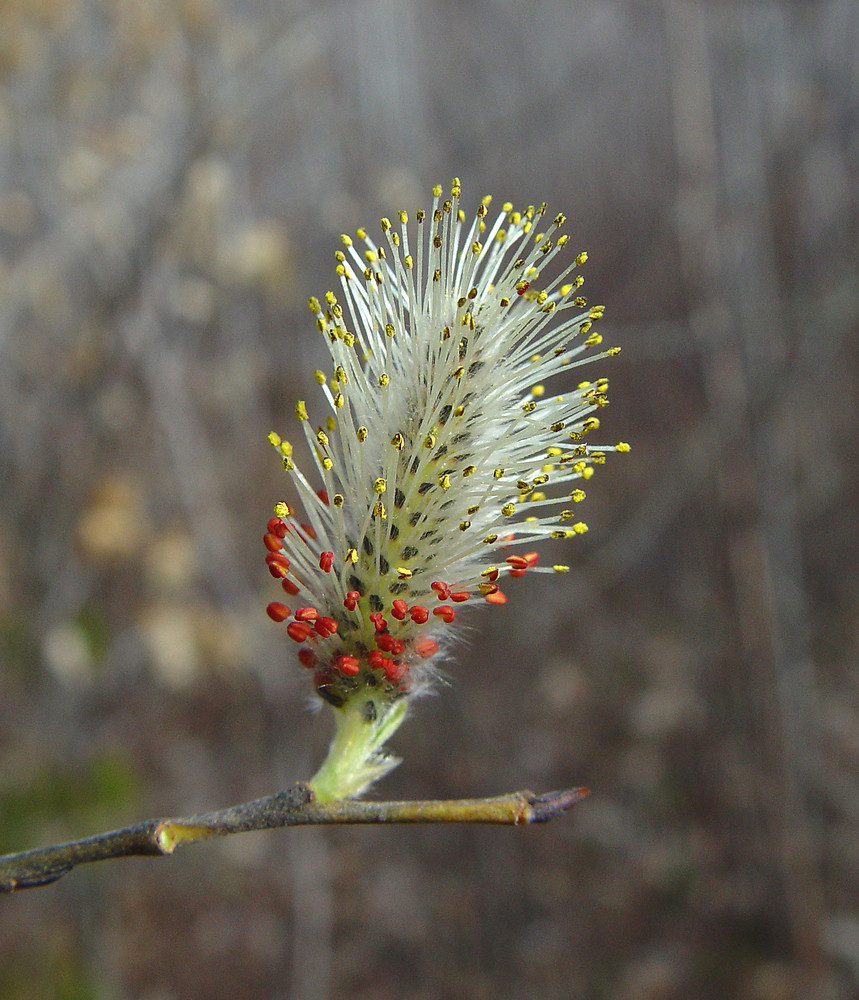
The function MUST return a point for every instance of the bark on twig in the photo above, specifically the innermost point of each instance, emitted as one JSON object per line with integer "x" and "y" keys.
{"x": 296, "y": 806}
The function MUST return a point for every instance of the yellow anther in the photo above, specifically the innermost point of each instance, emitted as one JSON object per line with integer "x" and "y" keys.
{"x": 558, "y": 568}
{"x": 537, "y": 495}
{"x": 508, "y": 509}
{"x": 464, "y": 525}
{"x": 469, "y": 470}
{"x": 384, "y": 379}
{"x": 338, "y": 499}
{"x": 301, "y": 410}
{"x": 577, "y": 496}
{"x": 429, "y": 441}
{"x": 398, "y": 441}
{"x": 490, "y": 539}
{"x": 380, "y": 485}
{"x": 313, "y": 304}
{"x": 622, "y": 446}
{"x": 322, "y": 438}
{"x": 498, "y": 473}
{"x": 351, "y": 556}
{"x": 361, "y": 433}
{"x": 331, "y": 423}
{"x": 274, "y": 439}
{"x": 403, "y": 572}
{"x": 538, "y": 390}
{"x": 529, "y": 407}
{"x": 581, "y": 258}
{"x": 281, "y": 509}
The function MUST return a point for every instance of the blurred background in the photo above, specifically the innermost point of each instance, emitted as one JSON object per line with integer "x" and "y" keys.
{"x": 174, "y": 175}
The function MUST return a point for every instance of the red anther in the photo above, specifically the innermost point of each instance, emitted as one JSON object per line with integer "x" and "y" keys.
{"x": 441, "y": 589}
{"x": 517, "y": 562}
{"x": 378, "y": 621}
{"x": 348, "y": 665}
{"x": 323, "y": 496}
{"x": 307, "y": 658}
{"x": 446, "y": 612}
{"x": 351, "y": 601}
{"x": 289, "y": 587}
{"x": 523, "y": 287}
{"x": 517, "y": 572}
{"x": 376, "y": 658}
{"x": 278, "y": 565}
{"x": 425, "y": 648}
{"x": 306, "y": 615}
{"x": 488, "y": 588}
{"x": 532, "y": 558}
{"x": 496, "y": 597}
{"x": 326, "y": 626}
{"x": 389, "y": 644}
{"x": 419, "y": 614}
{"x": 326, "y": 561}
{"x": 308, "y": 530}
{"x": 400, "y": 610}
{"x": 299, "y": 631}
{"x": 492, "y": 576}
{"x": 277, "y": 612}
{"x": 271, "y": 542}
{"x": 276, "y": 527}
{"x": 394, "y": 672}
{"x": 385, "y": 641}
{"x": 460, "y": 595}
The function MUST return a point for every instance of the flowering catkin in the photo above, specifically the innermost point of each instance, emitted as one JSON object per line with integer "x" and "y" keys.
{"x": 457, "y": 440}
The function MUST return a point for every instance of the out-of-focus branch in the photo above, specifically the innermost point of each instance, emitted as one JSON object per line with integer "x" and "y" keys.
{"x": 296, "y": 806}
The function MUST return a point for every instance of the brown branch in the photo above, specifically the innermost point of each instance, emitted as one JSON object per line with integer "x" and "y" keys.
{"x": 296, "y": 806}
